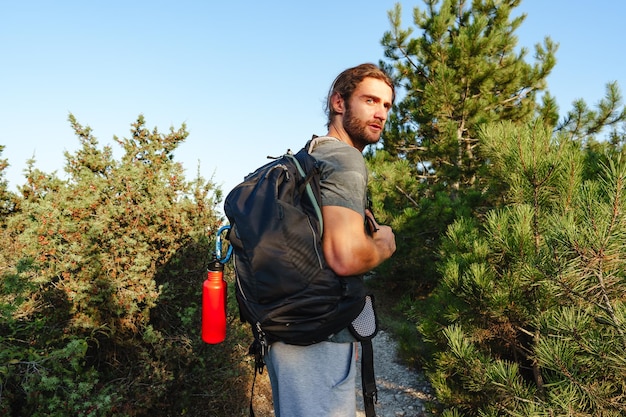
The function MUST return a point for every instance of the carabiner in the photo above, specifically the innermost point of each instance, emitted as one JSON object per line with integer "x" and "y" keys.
{"x": 218, "y": 246}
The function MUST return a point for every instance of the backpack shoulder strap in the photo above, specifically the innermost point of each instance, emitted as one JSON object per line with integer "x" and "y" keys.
{"x": 309, "y": 190}
{"x": 368, "y": 381}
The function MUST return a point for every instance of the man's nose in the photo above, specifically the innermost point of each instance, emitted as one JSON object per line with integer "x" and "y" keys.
{"x": 381, "y": 112}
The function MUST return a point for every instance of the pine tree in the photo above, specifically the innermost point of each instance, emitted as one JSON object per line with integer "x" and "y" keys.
{"x": 459, "y": 69}
{"x": 530, "y": 315}
{"x": 461, "y": 72}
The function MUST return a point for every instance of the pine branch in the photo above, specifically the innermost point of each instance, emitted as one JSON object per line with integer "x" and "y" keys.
{"x": 404, "y": 193}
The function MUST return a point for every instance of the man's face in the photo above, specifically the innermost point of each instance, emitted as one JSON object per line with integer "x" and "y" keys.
{"x": 366, "y": 112}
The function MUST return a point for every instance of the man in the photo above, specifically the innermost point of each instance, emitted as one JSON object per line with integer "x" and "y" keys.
{"x": 319, "y": 380}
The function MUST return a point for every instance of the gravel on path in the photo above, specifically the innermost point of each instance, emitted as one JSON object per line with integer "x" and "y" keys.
{"x": 402, "y": 392}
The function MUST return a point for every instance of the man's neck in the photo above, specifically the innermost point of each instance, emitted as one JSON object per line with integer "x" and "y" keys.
{"x": 341, "y": 135}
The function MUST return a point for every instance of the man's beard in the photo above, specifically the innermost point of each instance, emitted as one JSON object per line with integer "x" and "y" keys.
{"x": 357, "y": 129}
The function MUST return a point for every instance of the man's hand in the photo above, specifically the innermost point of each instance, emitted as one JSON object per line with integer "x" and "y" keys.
{"x": 382, "y": 235}
{"x": 348, "y": 248}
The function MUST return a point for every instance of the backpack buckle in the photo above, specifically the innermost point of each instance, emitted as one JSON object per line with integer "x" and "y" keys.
{"x": 258, "y": 349}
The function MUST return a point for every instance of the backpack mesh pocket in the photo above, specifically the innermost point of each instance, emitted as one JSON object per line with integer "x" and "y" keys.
{"x": 365, "y": 325}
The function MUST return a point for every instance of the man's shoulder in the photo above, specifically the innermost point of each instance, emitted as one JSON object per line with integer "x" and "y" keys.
{"x": 330, "y": 148}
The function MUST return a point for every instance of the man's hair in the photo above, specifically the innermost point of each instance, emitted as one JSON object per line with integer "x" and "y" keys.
{"x": 349, "y": 79}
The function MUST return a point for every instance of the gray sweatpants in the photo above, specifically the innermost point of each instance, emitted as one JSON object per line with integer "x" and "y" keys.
{"x": 313, "y": 381}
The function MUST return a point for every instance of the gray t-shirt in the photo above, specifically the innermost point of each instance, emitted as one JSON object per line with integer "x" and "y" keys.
{"x": 343, "y": 183}
{"x": 343, "y": 174}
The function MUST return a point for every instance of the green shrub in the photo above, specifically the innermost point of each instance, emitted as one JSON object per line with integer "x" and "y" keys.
{"x": 100, "y": 289}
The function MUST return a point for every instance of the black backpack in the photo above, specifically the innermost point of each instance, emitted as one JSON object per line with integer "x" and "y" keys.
{"x": 284, "y": 287}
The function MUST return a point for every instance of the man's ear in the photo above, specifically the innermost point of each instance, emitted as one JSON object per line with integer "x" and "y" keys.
{"x": 338, "y": 103}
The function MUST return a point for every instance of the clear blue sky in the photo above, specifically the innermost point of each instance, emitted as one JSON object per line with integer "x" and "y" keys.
{"x": 248, "y": 78}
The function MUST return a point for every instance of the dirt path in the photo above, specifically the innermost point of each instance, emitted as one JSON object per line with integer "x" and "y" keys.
{"x": 402, "y": 392}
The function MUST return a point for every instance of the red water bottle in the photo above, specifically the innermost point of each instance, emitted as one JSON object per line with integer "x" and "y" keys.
{"x": 214, "y": 304}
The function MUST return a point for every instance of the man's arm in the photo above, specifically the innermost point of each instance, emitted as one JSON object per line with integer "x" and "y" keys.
{"x": 348, "y": 249}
